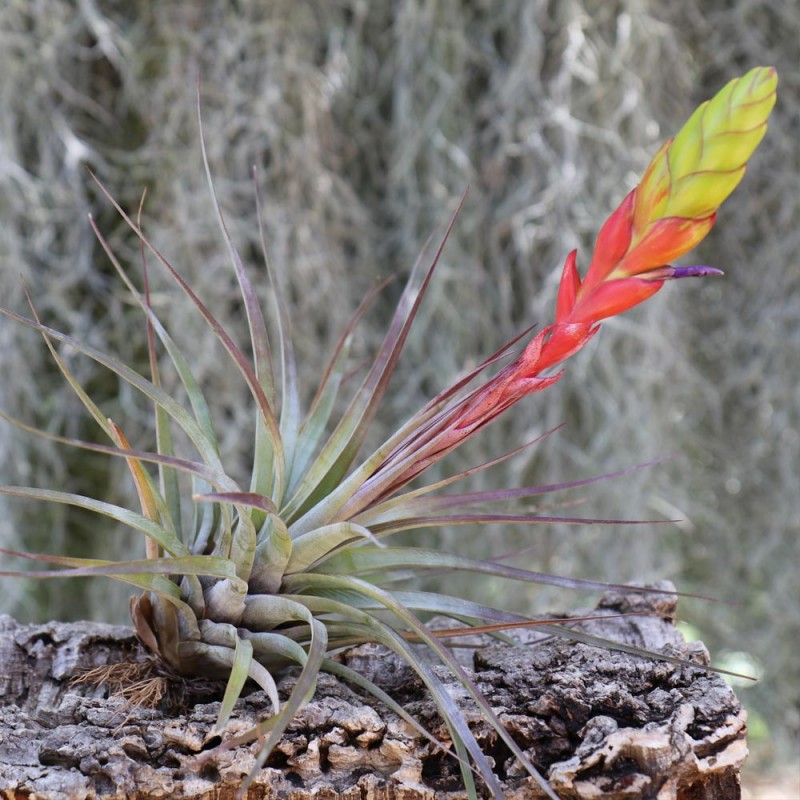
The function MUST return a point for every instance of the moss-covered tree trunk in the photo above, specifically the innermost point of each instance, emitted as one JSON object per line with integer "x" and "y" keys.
{"x": 599, "y": 724}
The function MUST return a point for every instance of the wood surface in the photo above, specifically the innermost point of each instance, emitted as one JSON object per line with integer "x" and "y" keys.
{"x": 598, "y": 723}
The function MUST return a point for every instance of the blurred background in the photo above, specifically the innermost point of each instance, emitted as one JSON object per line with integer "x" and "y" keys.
{"x": 367, "y": 121}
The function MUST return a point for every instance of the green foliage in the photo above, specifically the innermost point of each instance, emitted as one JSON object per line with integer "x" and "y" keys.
{"x": 366, "y": 120}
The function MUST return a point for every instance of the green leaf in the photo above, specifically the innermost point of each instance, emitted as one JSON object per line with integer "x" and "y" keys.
{"x": 185, "y": 420}
{"x": 323, "y": 491}
{"x": 417, "y": 503}
{"x": 440, "y": 520}
{"x": 364, "y": 560}
{"x": 351, "y": 676}
{"x": 610, "y": 644}
{"x": 157, "y": 533}
{"x": 269, "y": 646}
{"x": 290, "y": 400}
{"x": 243, "y": 544}
{"x": 186, "y": 565}
{"x": 196, "y": 398}
{"x": 247, "y": 499}
{"x": 273, "y": 608}
{"x": 273, "y": 552}
{"x": 159, "y": 585}
{"x": 269, "y": 453}
{"x": 259, "y": 338}
{"x": 315, "y": 424}
{"x": 459, "y": 730}
{"x": 211, "y": 476}
{"x": 311, "y": 547}
{"x": 267, "y": 414}
{"x": 168, "y": 478}
{"x": 240, "y": 668}
{"x": 69, "y": 376}
{"x": 243, "y": 666}
{"x": 446, "y": 704}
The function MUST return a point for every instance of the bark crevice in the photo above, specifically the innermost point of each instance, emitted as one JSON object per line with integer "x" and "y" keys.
{"x": 597, "y": 723}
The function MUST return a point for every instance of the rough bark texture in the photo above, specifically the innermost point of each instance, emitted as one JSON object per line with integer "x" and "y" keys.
{"x": 599, "y": 724}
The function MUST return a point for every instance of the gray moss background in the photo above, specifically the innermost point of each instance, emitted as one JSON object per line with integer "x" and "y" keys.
{"x": 367, "y": 121}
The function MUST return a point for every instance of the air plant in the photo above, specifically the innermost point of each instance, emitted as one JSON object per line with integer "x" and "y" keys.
{"x": 300, "y": 563}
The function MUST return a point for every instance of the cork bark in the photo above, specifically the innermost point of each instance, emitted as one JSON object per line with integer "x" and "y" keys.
{"x": 599, "y": 724}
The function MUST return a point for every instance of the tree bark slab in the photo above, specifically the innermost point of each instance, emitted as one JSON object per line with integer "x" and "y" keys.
{"x": 599, "y": 724}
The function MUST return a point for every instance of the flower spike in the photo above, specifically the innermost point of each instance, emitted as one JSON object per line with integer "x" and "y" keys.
{"x": 663, "y": 218}
{"x": 669, "y": 212}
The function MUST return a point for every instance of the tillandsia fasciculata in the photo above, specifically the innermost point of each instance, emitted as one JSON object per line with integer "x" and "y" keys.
{"x": 296, "y": 565}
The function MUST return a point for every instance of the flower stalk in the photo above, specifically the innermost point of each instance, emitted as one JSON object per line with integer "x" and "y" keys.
{"x": 670, "y": 212}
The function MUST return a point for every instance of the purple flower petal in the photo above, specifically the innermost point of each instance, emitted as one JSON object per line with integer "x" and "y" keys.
{"x": 669, "y": 272}
{"x": 695, "y": 272}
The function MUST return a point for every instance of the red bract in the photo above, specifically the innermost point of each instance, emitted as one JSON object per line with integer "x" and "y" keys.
{"x": 624, "y": 272}
{"x": 663, "y": 218}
